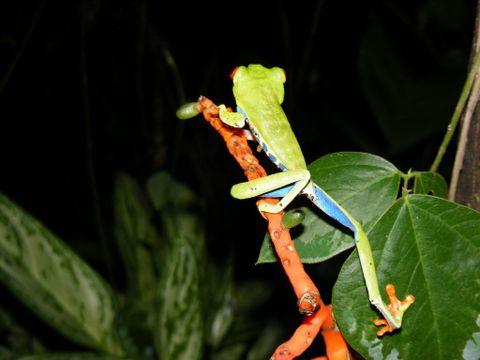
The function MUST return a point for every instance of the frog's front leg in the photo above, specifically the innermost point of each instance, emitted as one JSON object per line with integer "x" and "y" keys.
{"x": 231, "y": 118}
{"x": 285, "y": 185}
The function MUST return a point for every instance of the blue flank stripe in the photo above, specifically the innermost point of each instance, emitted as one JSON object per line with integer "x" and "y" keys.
{"x": 324, "y": 203}
{"x": 321, "y": 200}
{"x": 278, "y": 193}
{"x": 272, "y": 157}
{"x": 240, "y": 110}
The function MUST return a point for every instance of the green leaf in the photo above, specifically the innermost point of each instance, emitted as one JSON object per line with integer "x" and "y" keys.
{"x": 364, "y": 184}
{"x": 430, "y": 183}
{"x": 165, "y": 193}
{"x": 428, "y": 247}
{"x": 135, "y": 235}
{"x": 177, "y": 207}
{"x": 222, "y": 304}
{"x": 54, "y": 282}
{"x": 179, "y": 328}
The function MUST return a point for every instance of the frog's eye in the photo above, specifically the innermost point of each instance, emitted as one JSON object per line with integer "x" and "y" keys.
{"x": 232, "y": 74}
{"x": 280, "y": 74}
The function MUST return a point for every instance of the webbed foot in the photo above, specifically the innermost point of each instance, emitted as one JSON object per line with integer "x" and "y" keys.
{"x": 396, "y": 308}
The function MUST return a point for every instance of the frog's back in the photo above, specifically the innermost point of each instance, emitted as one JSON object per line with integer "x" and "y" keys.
{"x": 270, "y": 125}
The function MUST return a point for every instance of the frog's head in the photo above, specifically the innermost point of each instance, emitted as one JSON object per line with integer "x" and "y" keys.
{"x": 257, "y": 76}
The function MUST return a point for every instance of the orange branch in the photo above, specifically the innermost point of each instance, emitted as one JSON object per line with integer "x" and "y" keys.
{"x": 309, "y": 300}
{"x": 318, "y": 316}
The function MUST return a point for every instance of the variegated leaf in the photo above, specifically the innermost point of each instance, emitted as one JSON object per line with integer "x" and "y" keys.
{"x": 56, "y": 284}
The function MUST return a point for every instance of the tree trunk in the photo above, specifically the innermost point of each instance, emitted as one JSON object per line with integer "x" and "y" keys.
{"x": 465, "y": 183}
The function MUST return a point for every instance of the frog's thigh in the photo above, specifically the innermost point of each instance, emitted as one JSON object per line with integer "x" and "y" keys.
{"x": 270, "y": 183}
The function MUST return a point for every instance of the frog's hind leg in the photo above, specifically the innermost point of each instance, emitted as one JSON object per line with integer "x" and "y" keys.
{"x": 286, "y": 185}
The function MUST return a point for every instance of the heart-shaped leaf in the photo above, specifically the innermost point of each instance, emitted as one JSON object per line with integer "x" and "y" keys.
{"x": 428, "y": 247}
{"x": 430, "y": 183}
{"x": 364, "y": 184}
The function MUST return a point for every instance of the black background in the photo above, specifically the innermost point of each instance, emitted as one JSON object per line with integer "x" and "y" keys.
{"x": 90, "y": 88}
